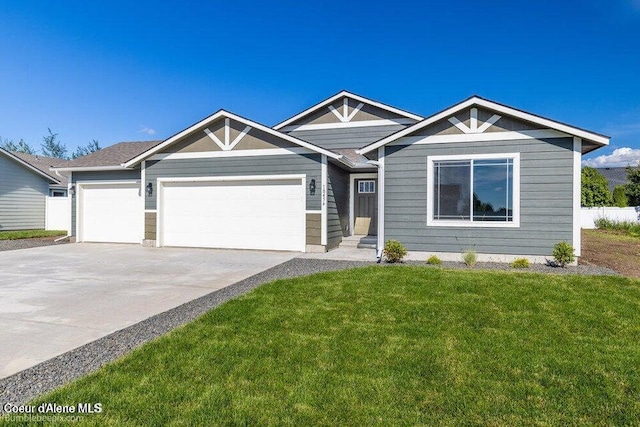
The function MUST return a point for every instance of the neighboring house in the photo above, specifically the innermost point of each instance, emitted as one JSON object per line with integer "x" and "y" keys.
{"x": 478, "y": 175}
{"x": 25, "y": 182}
{"x": 615, "y": 176}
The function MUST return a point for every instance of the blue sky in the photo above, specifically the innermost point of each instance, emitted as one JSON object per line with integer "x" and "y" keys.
{"x": 121, "y": 71}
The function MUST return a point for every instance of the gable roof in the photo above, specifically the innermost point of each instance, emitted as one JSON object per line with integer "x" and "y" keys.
{"x": 593, "y": 137}
{"x": 15, "y": 157}
{"x": 225, "y": 114}
{"x": 350, "y": 95}
{"x": 44, "y": 165}
{"x": 109, "y": 158}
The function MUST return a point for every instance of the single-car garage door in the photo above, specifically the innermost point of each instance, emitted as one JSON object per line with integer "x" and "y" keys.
{"x": 267, "y": 213}
{"x": 110, "y": 213}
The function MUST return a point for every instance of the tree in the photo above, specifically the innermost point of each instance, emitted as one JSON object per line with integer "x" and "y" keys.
{"x": 632, "y": 188}
{"x": 92, "y": 147}
{"x": 619, "y": 197}
{"x": 20, "y": 147}
{"x": 595, "y": 188}
{"x": 52, "y": 147}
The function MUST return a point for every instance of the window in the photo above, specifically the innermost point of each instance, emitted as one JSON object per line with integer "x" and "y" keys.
{"x": 58, "y": 193}
{"x": 366, "y": 186}
{"x": 479, "y": 190}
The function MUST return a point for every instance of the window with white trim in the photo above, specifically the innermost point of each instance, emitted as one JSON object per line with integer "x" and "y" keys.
{"x": 366, "y": 186}
{"x": 480, "y": 190}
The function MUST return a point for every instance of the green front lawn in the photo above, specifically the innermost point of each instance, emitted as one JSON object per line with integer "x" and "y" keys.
{"x": 390, "y": 346}
{"x": 30, "y": 234}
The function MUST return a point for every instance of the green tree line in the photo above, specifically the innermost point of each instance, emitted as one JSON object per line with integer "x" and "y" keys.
{"x": 595, "y": 189}
{"x": 51, "y": 146}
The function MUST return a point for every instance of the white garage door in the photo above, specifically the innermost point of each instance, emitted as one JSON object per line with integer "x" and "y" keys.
{"x": 110, "y": 213}
{"x": 265, "y": 214}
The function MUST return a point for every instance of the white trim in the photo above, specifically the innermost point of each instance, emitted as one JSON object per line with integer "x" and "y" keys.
{"x": 486, "y": 125}
{"x": 341, "y": 125}
{"x": 475, "y": 224}
{"x": 541, "y": 121}
{"x": 29, "y": 166}
{"x": 352, "y": 195}
{"x": 151, "y": 210}
{"x": 473, "y": 121}
{"x": 80, "y": 185}
{"x": 237, "y": 118}
{"x": 457, "y": 123}
{"x": 70, "y": 183}
{"x": 143, "y": 192}
{"x": 227, "y": 125}
{"x": 214, "y": 138}
{"x": 235, "y": 153}
{"x": 325, "y": 182}
{"x": 481, "y": 137}
{"x": 577, "y": 190}
{"x": 91, "y": 168}
{"x": 313, "y": 211}
{"x": 349, "y": 95}
{"x": 238, "y": 138}
{"x": 162, "y": 181}
{"x": 381, "y": 179}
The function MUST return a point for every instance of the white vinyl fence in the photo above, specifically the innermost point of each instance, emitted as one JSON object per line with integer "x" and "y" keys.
{"x": 589, "y": 215}
{"x": 58, "y": 213}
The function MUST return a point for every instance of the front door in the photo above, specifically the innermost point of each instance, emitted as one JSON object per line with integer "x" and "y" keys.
{"x": 366, "y": 207}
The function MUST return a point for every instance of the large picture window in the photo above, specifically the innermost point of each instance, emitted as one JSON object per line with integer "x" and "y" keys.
{"x": 477, "y": 190}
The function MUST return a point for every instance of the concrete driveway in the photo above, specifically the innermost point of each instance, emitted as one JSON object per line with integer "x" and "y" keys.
{"x": 56, "y": 298}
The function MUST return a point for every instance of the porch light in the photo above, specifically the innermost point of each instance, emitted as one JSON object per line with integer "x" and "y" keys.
{"x": 149, "y": 189}
{"x": 312, "y": 187}
{"x": 72, "y": 190}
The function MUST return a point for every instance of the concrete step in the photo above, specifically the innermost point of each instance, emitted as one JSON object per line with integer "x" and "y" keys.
{"x": 361, "y": 242}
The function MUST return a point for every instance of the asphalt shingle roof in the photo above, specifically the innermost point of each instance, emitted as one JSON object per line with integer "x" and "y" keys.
{"x": 113, "y": 155}
{"x": 43, "y": 164}
{"x": 615, "y": 176}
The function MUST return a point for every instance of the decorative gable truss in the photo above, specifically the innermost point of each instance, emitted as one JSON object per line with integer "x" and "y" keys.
{"x": 345, "y": 116}
{"x": 473, "y": 122}
{"x": 227, "y": 145}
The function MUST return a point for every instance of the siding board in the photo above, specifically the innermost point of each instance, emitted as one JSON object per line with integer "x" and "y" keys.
{"x": 22, "y": 197}
{"x": 546, "y": 170}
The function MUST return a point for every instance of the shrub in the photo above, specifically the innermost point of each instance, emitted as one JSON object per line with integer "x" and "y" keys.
{"x": 563, "y": 253}
{"x": 632, "y": 187}
{"x": 595, "y": 188}
{"x": 434, "y": 260}
{"x": 520, "y": 263}
{"x": 629, "y": 227}
{"x": 470, "y": 257}
{"x": 394, "y": 251}
{"x": 619, "y": 197}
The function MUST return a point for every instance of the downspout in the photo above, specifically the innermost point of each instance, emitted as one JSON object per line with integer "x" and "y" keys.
{"x": 379, "y": 244}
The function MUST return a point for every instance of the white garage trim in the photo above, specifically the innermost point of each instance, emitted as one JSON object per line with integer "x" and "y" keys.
{"x": 81, "y": 186}
{"x": 301, "y": 178}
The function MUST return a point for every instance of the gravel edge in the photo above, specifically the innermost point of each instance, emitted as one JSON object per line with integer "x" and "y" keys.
{"x": 32, "y": 382}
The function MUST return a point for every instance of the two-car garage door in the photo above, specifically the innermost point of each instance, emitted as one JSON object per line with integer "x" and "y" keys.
{"x": 266, "y": 213}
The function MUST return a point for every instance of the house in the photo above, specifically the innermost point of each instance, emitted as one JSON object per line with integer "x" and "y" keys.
{"x": 615, "y": 176}
{"x": 479, "y": 175}
{"x": 25, "y": 182}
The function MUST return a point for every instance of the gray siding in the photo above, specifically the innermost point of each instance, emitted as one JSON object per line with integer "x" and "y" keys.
{"x": 546, "y": 204}
{"x": 123, "y": 175}
{"x": 356, "y": 137}
{"x": 337, "y": 205}
{"x": 22, "y": 196}
{"x": 309, "y": 164}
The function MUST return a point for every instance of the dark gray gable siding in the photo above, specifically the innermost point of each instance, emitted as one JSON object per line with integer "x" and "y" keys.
{"x": 337, "y": 205}
{"x": 309, "y": 164}
{"x": 355, "y": 137}
{"x": 22, "y": 197}
{"x": 546, "y": 203}
{"x": 97, "y": 176}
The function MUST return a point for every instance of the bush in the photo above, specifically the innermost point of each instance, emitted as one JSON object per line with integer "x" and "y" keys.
{"x": 629, "y": 227}
{"x": 563, "y": 253}
{"x": 595, "y": 188}
{"x": 619, "y": 197}
{"x": 394, "y": 251}
{"x": 632, "y": 187}
{"x": 520, "y": 263}
{"x": 434, "y": 260}
{"x": 470, "y": 257}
